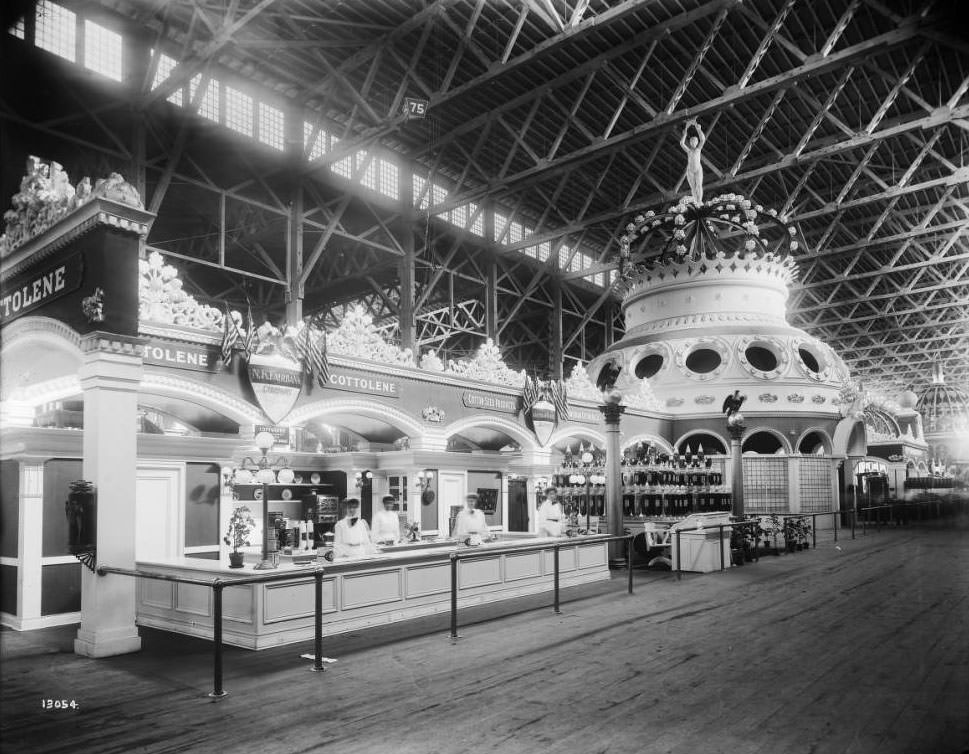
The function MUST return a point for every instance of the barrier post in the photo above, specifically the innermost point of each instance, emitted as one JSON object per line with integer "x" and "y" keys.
{"x": 678, "y": 576}
{"x": 852, "y": 524}
{"x": 217, "y": 690}
{"x": 834, "y": 519}
{"x": 454, "y": 595}
{"x": 318, "y": 637}
{"x": 629, "y": 563}
{"x": 814, "y": 531}
{"x": 555, "y": 590}
{"x": 722, "y": 566}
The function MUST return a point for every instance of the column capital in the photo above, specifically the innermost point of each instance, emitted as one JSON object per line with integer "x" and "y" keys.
{"x": 111, "y": 360}
{"x": 612, "y": 412}
{"x": 99, "y": 342}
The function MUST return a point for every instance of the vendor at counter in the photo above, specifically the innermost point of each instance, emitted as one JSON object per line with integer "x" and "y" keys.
{"x": 470, "y": 522}
{"x": 550, "y": 516}
{"x": 386, "y": 524}
{"x": 351, "y": 536}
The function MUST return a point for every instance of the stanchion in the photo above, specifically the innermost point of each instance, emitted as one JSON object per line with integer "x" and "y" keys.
{"x": 555, "y": 560}
{"x": 835, "y": 521}
{"x": 814, "y": 531}
{"x": 723, "y": 567}
{"x": 318, "y": 638}
{"x": 678, "y": 555}
{"x": 852, "y": 524}
{"x": 217, "y": 690}
{"x": 629, "y": 563}
{"x": 454, "y": 596}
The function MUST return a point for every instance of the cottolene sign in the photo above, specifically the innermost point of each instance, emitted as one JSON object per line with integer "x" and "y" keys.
{"x": 25, "y": 293}
{"x": 369, "y": 385}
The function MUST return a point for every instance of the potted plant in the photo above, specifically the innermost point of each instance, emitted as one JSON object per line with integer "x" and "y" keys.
{"x": 241, "y": 525}
{"x": 738, "y": 544}
{"x": 792, "y": 535}
{"x": 769, "y": 527}
{"x": 805, "y": 531}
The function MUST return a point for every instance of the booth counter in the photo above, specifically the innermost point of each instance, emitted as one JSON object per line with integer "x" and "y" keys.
{"x": 408, "y": 583}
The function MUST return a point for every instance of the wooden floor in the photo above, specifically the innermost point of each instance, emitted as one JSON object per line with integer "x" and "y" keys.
{"x": 860, "y": 647}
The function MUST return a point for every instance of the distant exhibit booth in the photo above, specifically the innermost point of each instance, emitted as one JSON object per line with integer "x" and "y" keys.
{"x": 114, "y": 376}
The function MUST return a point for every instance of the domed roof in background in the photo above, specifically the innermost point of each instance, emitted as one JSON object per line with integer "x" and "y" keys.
{"x": 944, "y": 408}
{"x": 908, "y": 399}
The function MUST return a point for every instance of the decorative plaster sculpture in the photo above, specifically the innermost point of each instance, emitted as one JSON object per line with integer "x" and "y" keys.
{"x": 694, "y": 168}
{"x": 487, "y": 365}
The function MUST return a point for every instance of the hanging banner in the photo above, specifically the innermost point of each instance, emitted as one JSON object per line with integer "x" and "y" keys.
{"x": 276, "y": 382}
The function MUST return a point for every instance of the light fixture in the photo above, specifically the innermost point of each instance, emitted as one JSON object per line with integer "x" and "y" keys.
{"x": 541, "y": 483}
{"x": 264, "y": 471}
{"x": 360, "y": 478}
{"x": 424, "y": 479}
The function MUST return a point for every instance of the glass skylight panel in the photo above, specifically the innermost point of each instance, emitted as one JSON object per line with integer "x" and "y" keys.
{"x": 56, "y": 30}
{"x": 272, "y": 124}
{"x": 368, "y": 164}
{"x": 320, "y": 146}
{"x": 501, "y": 225}
{"x": 564, "y": 253}
{"x": 438, "y": 194}
{"x": 344, "y": 167}
{"x": 165, "y": 67}
{"x": 515, "y": 233}
{"x": 544, "y": 251}
{"x": 421, "y": 201}
{"x": 477, "y": 227}
{"x": 102, "y": 50}
{"x": 459, "y": 216}
{"x": 389, "y": 179}
{"x": 238, "y": 111}
{"x": 209, "y": 106}
{"x": 19, "y": 30}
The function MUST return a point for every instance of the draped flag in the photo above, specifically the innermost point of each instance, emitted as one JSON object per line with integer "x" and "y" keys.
{"x": 230, "y": 336}
{"x": 560, "y": 399}
{"x": 248, "y": 340}
{"x": 530, "y": 393}
{"x": 319, "y": 359}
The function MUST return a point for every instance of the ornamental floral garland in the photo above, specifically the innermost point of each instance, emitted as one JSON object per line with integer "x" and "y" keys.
{"x": 487, "y": 365}
{"x": 358, "y": 337}
{"x": 161, "y": 298}
{"x": 580, "y": 385}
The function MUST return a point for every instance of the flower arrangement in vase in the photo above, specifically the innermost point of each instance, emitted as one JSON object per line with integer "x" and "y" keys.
{"x": 241, "y": 525}
{"x": 769, "y": 527}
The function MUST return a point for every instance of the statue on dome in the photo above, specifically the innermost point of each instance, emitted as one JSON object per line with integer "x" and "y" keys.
{"x": 692, "y": 144}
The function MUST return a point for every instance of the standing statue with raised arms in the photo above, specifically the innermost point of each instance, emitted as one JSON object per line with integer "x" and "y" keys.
{"x": 694, "y": 168}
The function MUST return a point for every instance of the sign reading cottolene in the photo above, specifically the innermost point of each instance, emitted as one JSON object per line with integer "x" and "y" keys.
{"x": 26, "y": 293}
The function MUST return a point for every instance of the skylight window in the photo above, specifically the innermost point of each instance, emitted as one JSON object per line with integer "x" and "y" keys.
{"x": 368, "y": 165}
{"x": 389, "y": 179}
{"x": 56, "y": 30}
{"x": 165, "y": 67}
{"x": 501, "y": 225}
{"x": 272, "y": 124}
{"x": 459, "y": 216}
{"x": 102, "y": 50}
{"x": 320, "y": 145}
{"x": 19, "y": 30}
{"x": 238, "y": 111}
{"x": 209, "y": 106}
{"x": 477, "y": 227}
{"x": 343, "y": 167}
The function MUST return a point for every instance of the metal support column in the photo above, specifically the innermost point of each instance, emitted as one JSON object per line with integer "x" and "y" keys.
{"x": 612, "y": 410}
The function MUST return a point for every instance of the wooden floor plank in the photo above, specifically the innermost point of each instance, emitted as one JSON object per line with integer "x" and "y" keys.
{"x": 854, "y": 648}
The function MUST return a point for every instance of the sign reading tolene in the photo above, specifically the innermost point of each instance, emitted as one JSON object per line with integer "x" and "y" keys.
{"x": 587, "y": 415}
{"x": 357, "y": 384}
{"x": 490, "y": 401}
{"x": 182, "y": 355}
{"x": 25, "y": 293}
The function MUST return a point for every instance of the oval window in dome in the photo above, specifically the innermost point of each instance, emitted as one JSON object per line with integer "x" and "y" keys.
{"x": 809, "y": 359}
{"x": 649, "y": 365}
{"x": 703, "y": 360}
{"x": 761, "y": 358}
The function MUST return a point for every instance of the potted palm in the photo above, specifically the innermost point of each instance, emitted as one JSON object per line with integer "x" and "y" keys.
{"x": 241, "y": 525}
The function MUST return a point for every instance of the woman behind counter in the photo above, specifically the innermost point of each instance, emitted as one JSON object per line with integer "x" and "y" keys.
{"x": 386, "y": 524}
{"x": 351, "y": 535}
{"x": 470, "y": 521}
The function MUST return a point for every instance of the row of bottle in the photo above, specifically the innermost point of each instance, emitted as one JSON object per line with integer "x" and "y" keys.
{"x": 648, "y": 478}
{"x": 676, "y": 506}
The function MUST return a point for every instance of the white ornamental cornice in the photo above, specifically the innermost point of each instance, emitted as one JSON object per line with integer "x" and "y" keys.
{"x": 96, "y": 212}
{"x": 706, "y": 320}
{"x": 104, "y": 342}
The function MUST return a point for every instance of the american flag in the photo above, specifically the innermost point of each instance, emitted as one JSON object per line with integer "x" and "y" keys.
{"x": 560, "y": 399}
{"x": 230, "y": 336}
{"x": 530, "y": 393}
{"x": 319, "y": 361}
{"x": 248, "y": 340}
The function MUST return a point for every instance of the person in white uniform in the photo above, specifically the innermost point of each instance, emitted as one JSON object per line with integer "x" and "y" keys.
{"x": 351, "y": 535}
{"x": 386, "y": 524}
{"x": 471, "y": 522}
{"x": 550, "y": 516}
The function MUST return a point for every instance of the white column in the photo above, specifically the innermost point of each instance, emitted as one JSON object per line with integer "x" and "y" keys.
{"x": 794, "y": 484}
{"x": 31, "y": 542}
{"x": 110, "y": 375}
